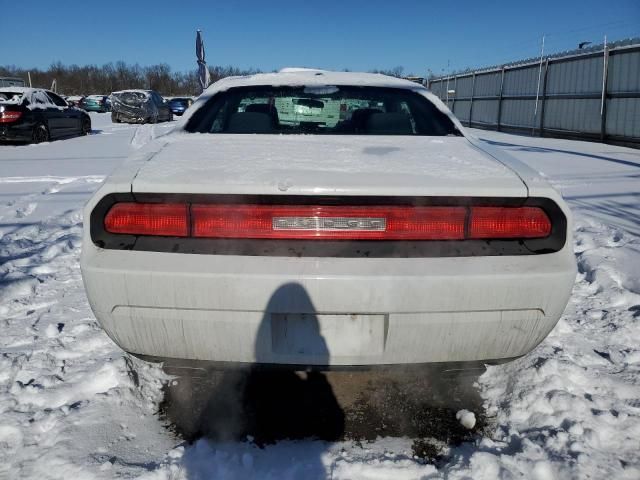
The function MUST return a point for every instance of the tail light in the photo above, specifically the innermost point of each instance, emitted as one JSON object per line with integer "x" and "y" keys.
{"x": 162, "y": 219}
{"x": 503, "y": 222}
{"x": 321, "y": 222}
{"x": 10, "y": 116}
{"x": 328, "y": 222}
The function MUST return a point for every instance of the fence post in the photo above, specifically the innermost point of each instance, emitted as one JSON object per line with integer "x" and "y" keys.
{"x": 455, "y": 91}
{"x": 544, "y": 96}
{"x": 473, "y": 91}
{"x": 500, "y": 99}
{"x": 603, "y": 101}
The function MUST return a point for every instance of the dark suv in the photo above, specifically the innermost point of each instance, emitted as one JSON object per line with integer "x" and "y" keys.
{"x": 139, "y": 106}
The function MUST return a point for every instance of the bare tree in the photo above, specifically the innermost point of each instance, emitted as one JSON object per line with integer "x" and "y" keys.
{"x": 393, "y": 72}
{"x": 94, "y": 79}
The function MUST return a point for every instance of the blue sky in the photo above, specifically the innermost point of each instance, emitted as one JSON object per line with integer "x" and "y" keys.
{"x": 354, "y": 34}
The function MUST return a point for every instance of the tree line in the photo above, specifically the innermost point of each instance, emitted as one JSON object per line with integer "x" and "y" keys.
{"x": 111, "y": 77}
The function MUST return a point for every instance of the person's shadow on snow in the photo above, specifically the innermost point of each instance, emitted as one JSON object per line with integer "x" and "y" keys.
{"x": 267, "y": 402}
{"x": 285, "y": 403}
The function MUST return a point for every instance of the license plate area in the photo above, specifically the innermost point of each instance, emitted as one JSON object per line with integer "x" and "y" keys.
{"x": 328, "y": 335}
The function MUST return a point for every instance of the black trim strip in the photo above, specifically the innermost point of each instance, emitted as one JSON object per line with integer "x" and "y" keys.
{"x": 329, "y": 248}
{"x": 201, "y": 368}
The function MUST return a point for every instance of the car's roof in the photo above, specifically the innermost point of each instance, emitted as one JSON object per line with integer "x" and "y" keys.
{"x": 312, "y": 77}
{"x": 24, "y": 93}
{"x": 23, "y": 90}
{"x": 132, "y": 90}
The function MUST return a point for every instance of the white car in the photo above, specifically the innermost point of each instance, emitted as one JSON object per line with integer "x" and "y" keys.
{"x": 367, "y": 230}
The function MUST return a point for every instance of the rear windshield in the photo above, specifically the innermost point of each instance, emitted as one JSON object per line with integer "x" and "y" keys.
{"x": 324, "y": 110}
{"x": 12, "y": 97}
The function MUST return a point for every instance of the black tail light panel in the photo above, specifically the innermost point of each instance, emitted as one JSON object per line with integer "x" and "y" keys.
{"x": 330, "y": 248}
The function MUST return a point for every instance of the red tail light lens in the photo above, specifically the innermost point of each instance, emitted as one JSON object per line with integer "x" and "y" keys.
{"x": 10, "y": 116}
{"x": 508, "y": 222}
{"x": 328, "y": 222}
{"x": 162, "y": 219}
{"x": 323, "y": 222}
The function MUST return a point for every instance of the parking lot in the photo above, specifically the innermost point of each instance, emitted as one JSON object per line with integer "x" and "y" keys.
{"x": 563, "y": 409}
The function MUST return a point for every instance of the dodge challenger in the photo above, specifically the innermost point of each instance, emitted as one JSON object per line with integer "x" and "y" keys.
{"x": 325, "y": 220}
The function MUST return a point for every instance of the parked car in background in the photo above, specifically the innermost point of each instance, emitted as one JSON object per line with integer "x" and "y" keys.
{"x": 139, "y": 106}
{"x": 36, "y": 115}
{"x": 268, "y": 228}
{"x": 95, "y": 103}
{"x": 75, "y": 100}
{"x": 178, "y": 105}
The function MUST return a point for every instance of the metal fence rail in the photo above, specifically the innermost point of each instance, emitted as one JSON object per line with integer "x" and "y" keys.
{"x": 593, "y": 96}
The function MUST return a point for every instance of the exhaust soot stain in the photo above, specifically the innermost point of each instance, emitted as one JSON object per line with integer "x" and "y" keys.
{"x": 269, "y": 406}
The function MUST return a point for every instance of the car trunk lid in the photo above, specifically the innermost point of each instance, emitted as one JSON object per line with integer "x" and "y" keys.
{"x": 325, "y": 165}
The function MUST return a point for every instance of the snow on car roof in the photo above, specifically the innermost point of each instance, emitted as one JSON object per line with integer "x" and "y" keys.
{"x": 22, "y": 92}
{"x": 295, "y": 77}
{"x": 38, "y": 97}
{"x": 300, "y": 69}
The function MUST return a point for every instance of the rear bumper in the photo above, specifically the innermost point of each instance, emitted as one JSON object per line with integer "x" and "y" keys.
{"x": 131, "y": 115}
{"x": 123, "y": 117}
{"x": 326, "y": 311}
{"x": 203, "y": 368}
{"x": 16, "y": 133}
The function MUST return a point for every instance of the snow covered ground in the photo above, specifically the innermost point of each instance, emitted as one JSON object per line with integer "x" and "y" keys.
{"x": 69, "y": 409}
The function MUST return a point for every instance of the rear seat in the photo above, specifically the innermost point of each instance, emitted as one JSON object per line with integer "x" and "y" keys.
{"x": 390, "y": 123}
{"x": 250, "y": 122}
{"x": 360, "y": 117}
{"x": 267, "y": 108}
